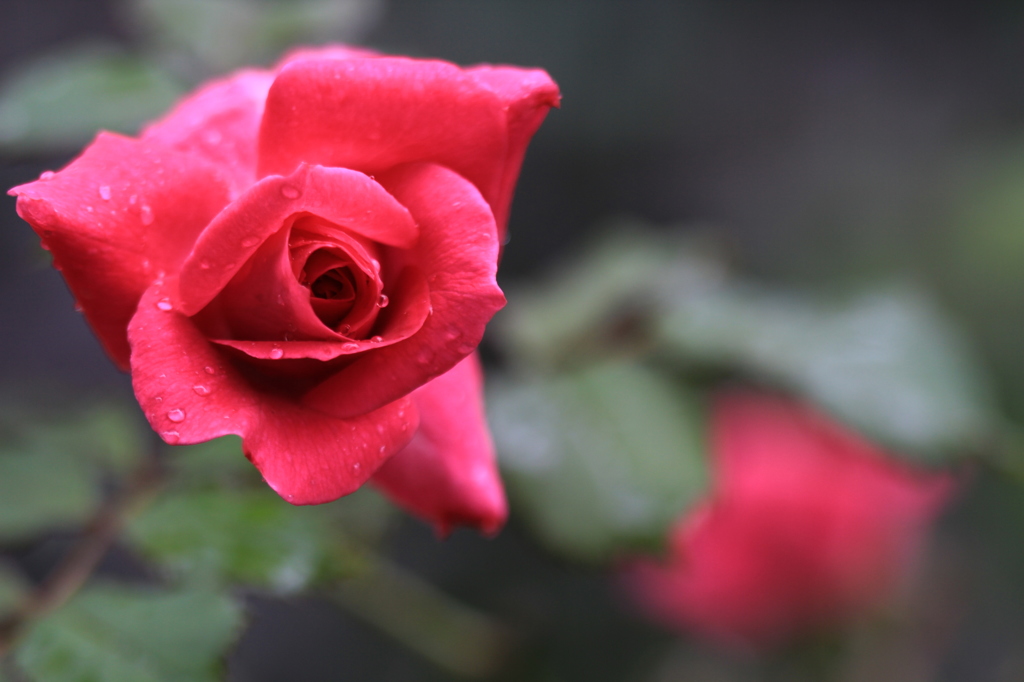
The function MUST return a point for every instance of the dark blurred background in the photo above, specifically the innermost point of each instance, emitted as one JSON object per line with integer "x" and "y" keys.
{"x": 825, "y": 144}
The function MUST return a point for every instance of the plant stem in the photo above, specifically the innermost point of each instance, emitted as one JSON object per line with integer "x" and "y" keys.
{"x": 456, "y": 638}
{"x": 75, "y": 567}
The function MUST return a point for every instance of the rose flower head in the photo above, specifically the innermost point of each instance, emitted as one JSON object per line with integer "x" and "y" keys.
{"x": 809, "y": 525}
{"x": 305, "y": 256}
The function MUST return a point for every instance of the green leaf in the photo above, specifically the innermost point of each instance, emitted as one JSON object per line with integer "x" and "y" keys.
{"x": 216, "y": 463}
{"x": 226, "y": 34}
{"x": 250, "y": 536}
{"x": 602, "y": 461}
{"x": 604, "y": 304}
{"x": 886, "y": 361}
{"x": 121, "y": 634}
{"x": 12, "y": 588}
{"x": 39, "y": 491}
{"x": 58, "y": 102}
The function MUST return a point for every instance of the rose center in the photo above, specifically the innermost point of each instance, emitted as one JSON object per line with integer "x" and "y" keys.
{"x": 338, "y": 284}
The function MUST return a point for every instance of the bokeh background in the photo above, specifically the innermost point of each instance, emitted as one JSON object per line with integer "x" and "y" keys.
{"x": 818, "y": 147}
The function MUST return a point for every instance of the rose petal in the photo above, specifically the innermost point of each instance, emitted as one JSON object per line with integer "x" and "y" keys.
{"x": 447, "y": 474}
{"x": 373, "y": 114}
{"x": 527, "y": 95}
{"x": 190, "y": 394}
{"x": 117, "y": 216}
{"x": 457, "y": 250}
{"x": 344, "y": 197}
{"x": 220, "y": 123}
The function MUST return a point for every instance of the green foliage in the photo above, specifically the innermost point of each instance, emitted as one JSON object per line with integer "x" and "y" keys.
{"x": 50, "y": 469}
{"x": 226, "y": 34}
{"x": 58, "y": 102}
{"x": 248, "y": 536}
{"x": 115, "y": 634}
{"x": 885, "y": 361}
{"x": 599, "y": 461}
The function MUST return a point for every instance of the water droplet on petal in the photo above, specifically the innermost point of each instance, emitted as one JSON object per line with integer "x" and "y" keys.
{"x": 165, "y": 305}
{"x": 376, "y": 339}
{"x": 202, "y": 390}
{"x": 356, "y": 466}
{"x": 210, "y": 370}
{"x": 289, "y": 192}
{"x": 383, "y": 301}
{"x": 249, "y": 241}
{"x": 146, "y": 215}
{"x": 46, "y": 175}
{"x": 176, "y": 415}
{"x": 276, "y": 353}
{"x": 345, "y": 329}
{"x": 133, "y": 199}
{"x": 170, "y": 437}
{"x": 466, "y": 348}
{"x": 104, "y": 193}
{"x": 349, "y": 347}
{"x": 78, "y": 307}
{"x": 204, "y": 265}
{"x": 381, "y": 449}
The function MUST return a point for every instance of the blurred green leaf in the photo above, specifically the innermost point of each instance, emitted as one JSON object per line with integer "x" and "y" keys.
{"x": 217, "y": 463}
{"x": 602, "y": 461}
{"x": 59, "y": 101}
{"x": 605, "y": 303}
{"x": 886, "y": 361}
{"x": 251, "y": 536}
{"x": 226, "y": 34}
{"x": 39, "y": 491}
{"x": 121, "y": 634}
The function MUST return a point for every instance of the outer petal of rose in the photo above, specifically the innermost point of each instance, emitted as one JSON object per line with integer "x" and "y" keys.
{"x": 220, "y": 122}
{"x": 117, "y": 216}
{"x": 447, "y": 473}
{"x": 373, "y": 114}
{"x": 457, "y": 250}
{"x": 338, "y": 195}
{"x": 527, "y": 95}
{"x": 190, "y": 394}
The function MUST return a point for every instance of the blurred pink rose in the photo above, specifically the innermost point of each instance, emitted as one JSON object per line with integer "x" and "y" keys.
{"x": 808, "y": 525}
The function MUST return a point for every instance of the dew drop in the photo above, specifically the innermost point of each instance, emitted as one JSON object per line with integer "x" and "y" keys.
{"x": 204, "y": 265}
{"x": 289, "y": 192}
{"x": 170, "y": 437}
{"x": 466, "y": 348}
{"x": 202, "y": 390}
{"x": 133, "y": 199}
{"x": 89, "y": 209}
{"x": 249, "y": 241}
{"x": 46, "y": 175}
{"x": 104, "y": 193}
{"x": 381, "y": 449}
{"x": 357, "y": 466}
{"x": 146, "y": 215}
{"x": 452, "y": 334}
{"x": 78, "y": 307}
{"x": 376, "y": 339}
{"x": 210, "y": 370}
{"x": 176, "y": 415}
{"x": 349, "y": 347}
{"x": 276, "y": 353}
{"x": 345, "y": 328}
{"x": 383, "y": 301}
{"x": 165, "y": 305}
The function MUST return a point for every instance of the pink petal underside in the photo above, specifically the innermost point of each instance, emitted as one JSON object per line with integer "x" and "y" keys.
{"x": 373, "y": 114}
{"x": 457, "y": 251}
{"x": 447, "y": 474}
{"x": 190, "y": 393}
{"x": 344, "y": 197}
{"x": 219, "y": 123}
{"x": 527, "y": 95}
{"x": 117, "y": 216}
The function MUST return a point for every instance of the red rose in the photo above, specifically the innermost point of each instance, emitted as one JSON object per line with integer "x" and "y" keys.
{"x": 292, "y": 255}
{"x": 809, "y": 524}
